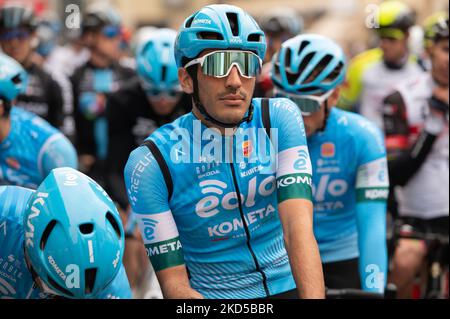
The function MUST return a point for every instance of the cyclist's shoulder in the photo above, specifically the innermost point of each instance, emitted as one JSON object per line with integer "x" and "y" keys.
{"x": 31, "y": 124}
{"x": 280, "y": 109}
{"x": 359, "y": 128}
{"x": 13, "y": 201}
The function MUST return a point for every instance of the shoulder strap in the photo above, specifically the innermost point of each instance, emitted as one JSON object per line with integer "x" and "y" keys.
{"x": 162, "y": 165}
{"x": 266, "y": 115}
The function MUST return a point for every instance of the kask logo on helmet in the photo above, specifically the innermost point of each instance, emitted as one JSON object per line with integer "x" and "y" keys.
{"x": 36, "y": 207}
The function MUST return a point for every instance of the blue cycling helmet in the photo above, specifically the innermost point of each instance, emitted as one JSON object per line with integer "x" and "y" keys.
{"x": 155, "y": 60}
{"x": 74, "y": 237}
{"x": 308, "y": 64}
{"x": 13, "y": 78}
{"x": 218, "y": 26}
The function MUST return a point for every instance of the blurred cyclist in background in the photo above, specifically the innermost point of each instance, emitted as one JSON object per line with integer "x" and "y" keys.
{"x": 348, "y": 157}
{"x": 279, "y": 24}
{"x": 373, "y": 74}
{"x": 134, "y": 113}
{"x": 416, "y": 127}
{"x": 64, "y": 240}
{"x": 43, "y": 95}
{"x": 29, "y": 147}
{"x": 92, "y": 82}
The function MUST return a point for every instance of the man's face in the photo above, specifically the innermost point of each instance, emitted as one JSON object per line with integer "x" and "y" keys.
{"x": 17, "y": 44}
{"x": 314, "y": 121}
{"x": 439, "y": 61}
{"x": 226, "y": 99}
{"x": 107, "y": 42}
{"x": 393, "y": 49}
{"x": 163, "y": 105}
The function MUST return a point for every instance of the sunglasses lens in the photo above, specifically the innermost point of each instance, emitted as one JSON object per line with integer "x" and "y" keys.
{"x": 218, "y": 64}
{"x": 111, "y": 31}
{"x": 15, "y": 34}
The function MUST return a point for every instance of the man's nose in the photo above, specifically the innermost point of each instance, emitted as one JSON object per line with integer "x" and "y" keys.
{"x": 234, "y": 78}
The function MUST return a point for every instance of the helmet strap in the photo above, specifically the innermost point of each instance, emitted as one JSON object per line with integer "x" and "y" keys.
{"x": 325, "y": 119}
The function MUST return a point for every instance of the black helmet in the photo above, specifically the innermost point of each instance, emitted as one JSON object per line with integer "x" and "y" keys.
{"x": 282, "y": 21}
{"x": 97, "y": 17}
{"x": 15, "y": 16}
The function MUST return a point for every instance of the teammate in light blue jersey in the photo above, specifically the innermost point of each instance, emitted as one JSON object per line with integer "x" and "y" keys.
{"x": 350, "y": 178}
{"x": 29, "y": 147}
{"x": 219, "y": 216}
{"x": 63, "y": 240}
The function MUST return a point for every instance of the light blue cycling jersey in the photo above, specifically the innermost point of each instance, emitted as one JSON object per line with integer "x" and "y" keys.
{"x": 350, "y": 187}
{"x": 231, "y": 248}
{"x": 32, "y": 149}
{"x": 15, "y": 279}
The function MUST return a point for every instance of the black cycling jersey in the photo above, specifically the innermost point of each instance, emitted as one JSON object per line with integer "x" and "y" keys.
{"x": 91, "y": 85}
{"x": 131, "y": 119}
{"x": 43, "y": 96}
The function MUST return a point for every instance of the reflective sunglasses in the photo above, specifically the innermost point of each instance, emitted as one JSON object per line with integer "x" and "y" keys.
{"x": 159, "y": 94}
{"x": 307, "y": 103}
{"x": 111, "y": 31}
{"x": 14, "y": 34}
{"x": 219, "y": 63}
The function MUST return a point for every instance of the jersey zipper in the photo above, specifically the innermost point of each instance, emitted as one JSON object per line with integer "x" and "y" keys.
{"x": 244, "y": 223}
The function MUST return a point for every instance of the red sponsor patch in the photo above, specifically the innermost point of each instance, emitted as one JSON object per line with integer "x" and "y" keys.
{"x": 247, "y": 148}
{"x": 327, "y": 150}
{"x": 13, "y": 163}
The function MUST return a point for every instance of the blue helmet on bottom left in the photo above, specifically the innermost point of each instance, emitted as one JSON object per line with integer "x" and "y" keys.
{"x": 74, "y": 237}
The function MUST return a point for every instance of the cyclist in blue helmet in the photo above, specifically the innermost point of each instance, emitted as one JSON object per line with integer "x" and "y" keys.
{"x": 29, "y": 147}
{"x": 43, "y": 95}
{"x": 186, "y": 203}
{"x": 63, "y": 240}
{"x": 134, "y": 112}
{"x": 350, "y": 181}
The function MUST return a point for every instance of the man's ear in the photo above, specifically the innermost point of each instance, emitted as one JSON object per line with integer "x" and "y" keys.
{"x": 186, "y": 82}
{"x": 333, "y": 99}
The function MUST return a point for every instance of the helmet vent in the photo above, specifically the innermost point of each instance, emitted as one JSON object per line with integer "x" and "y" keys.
{"x": 233, "y": 21}
{"x": 46, "y": 234}
{"x": 254, "y": 37}
{"x": 114, "y": 223}
{"x": 90, "y": 275}
{"x": 320, "y": 67}
{"x": 58, "y": 288}
{"x": 303, "y": 45}
{"x": 189, "y": 21}
{"x": 304, "y": 63}
{"x": 163, "y": 73}
{"x": 16, "y": 79}
{"x": 209, "y": 36}
{"x": 337, "y": 70}
{"x": 87, "y": 228}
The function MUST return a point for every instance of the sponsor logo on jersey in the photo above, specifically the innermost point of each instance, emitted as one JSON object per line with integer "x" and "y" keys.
{"x": 214, "y": 189}
{"x": 13, "y": 163}
{"x": 164, "y": 248}
{"x": 327, "y": 150}
{"x": 149, "y": 226}
{"x": 247, "y": 148}
{"x": 302, "y": 162}
{"x": 376, "y": 193}
{"x": 227, "y": 227}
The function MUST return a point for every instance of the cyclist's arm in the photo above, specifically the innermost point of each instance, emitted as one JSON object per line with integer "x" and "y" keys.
{"x": 57, "y": 151}
{"x": 295, "y": 198}
{"x": 55, "y": 103}
{"x": 148, "y": 196}
{"x": 405, "y": 166}
{"x": 372, "y": 189}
